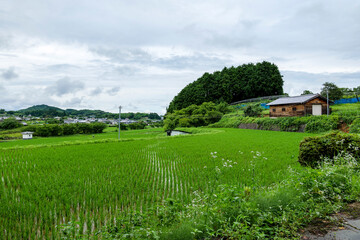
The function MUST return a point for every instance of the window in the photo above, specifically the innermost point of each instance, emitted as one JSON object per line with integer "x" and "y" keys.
{"x": 274, "y": 109}
{"x": 283, "y": 109}
{"x": 294, "y": 108}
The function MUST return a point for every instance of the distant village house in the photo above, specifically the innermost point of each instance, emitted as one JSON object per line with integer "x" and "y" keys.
{"x": 311, "y": 104}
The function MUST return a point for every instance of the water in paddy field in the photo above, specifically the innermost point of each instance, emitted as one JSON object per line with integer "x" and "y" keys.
{"x": 174, "y": 133}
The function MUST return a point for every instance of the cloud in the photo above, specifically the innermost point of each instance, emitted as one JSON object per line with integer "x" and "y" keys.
{"x": 61, "y": 67}
{"x": 296, "y": 82}
{"x": 9, "y": 74}
{"x": 64, "y": 86}
{"x": 73, "y": 102}
{"x": 113, "y": 91}
{"x": 96, "y": 91}
{"x": 127, "y": 55}
{"x": 152, "y": 49}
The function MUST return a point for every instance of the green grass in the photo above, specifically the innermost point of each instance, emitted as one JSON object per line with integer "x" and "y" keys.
{"x": 110, "y": 133}
{"x": 43, "y": 187}
{"x": 346, "y": 107}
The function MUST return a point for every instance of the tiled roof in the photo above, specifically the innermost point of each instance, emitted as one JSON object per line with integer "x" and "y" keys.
{"x": 294, "y": 100}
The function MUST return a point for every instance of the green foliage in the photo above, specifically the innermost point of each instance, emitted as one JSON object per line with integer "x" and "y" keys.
{"x": 43, "y": 111}
{"x": 54, "y": 121}
{"x": 231, "y": 85}
{"x": 314, "y": 150}
{"x": 196, "y": 116}
{"x": 9, "y": 123}
{"x": 347, "y": 113}
{"x": 137, "y": 125}
{"x": 305, "y": 92}
{"x": 312, "y": 124}
{"x": 252, "y": 110}
{"x": 335, "y": 92}
{"x": 355, "y": 126}
{"x": 241, "y": 212}
{"x": 48, "y": 130}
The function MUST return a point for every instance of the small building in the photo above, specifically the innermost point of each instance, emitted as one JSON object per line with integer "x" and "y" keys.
{"x": 310, "y": 104}
{"x": 27, "y": 135}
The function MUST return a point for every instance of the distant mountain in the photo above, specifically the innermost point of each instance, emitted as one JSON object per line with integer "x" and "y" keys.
{"x": 43, "y": 111}
{"x": 49, "y": 111}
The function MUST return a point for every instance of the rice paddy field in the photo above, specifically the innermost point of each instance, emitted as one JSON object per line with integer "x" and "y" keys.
{"x": 42, "y": 187}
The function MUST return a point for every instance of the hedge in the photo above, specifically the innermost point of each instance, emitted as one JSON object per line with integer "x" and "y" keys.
{"x": 313, "y": 150}
{"x": 313, "y": 124}
{"x": 66, "y": 129}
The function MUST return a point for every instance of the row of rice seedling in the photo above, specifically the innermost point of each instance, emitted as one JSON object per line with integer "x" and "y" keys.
{"x": 89, "y": 183}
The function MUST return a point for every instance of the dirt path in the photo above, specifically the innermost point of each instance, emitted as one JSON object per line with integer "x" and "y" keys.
{"x": 346, "y": 226}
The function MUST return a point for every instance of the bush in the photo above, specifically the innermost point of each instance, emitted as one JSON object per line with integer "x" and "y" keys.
{"x": 10, "y": 123}
{"x": 66, "y": 129}
{"x": 69, "y": 129}
{"x": 98, "y": 127}
{"x": 355, "y": 126}
{"x": 317, "y": 124}
{"x": 252, "y": 110}
{"x": 136, "y": 125}
{"x": 313, "y": 124}
{"x": 313, "y": 150}
{"x": 196, "y": 116}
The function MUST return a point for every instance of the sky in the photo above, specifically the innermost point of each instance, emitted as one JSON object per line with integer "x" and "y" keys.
{"x": 139, "y": 54}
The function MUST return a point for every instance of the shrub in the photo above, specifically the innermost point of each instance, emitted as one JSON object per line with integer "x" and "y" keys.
{"x": 314, "y": 124}
{"x": 212, "y": 117}
{"x": 9, "y": 123}
{"x": 252, "y": 110}
{"x": 355, "y": 126}
{"x": 98, "y": 127}
{"x": 196, "y": 116}
{"x": 69, "y": 129}
{"x": 313, "y": 150}
{"x": 137, "y": 125}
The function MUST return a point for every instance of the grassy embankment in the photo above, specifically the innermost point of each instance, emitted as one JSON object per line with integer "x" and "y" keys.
{"x": 341, "y": 113}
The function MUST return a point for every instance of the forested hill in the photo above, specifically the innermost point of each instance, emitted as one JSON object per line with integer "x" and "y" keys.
{"x": 49, "y": 111}
{"x": 231, "y": 85}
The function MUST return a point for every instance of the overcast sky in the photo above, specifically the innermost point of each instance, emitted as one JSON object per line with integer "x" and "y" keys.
{"x": 140, "y": 54}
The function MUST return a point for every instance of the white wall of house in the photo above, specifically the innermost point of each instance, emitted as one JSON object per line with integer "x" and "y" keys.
{"x": 316, "y": 110}
{"x": 27, "y": 136}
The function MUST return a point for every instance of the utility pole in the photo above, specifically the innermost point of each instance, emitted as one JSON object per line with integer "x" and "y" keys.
{"x": 119, "y": 120}
{"x": 327, "y": 100}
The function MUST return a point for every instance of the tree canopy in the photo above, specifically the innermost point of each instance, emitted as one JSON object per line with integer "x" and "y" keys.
{"x": 196, "y": 115}
{"x": 305, "y": 92}
{"x": 231, "y": 85}
{"x": 49, "y": 111}
{"x": 335, "y": 92}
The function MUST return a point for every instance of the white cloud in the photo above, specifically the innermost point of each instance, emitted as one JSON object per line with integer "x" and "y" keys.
{"x": 9, "y": 74}
{"x": 64, "y": 86}
{"x": 142, "y": 53}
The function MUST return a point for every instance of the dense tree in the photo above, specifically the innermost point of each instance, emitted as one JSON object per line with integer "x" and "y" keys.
{"x": 196, "y": 115}
{"x": 9, "y": 123}
{"x": 335, "y": 92}
{"x": 231, "y": 85}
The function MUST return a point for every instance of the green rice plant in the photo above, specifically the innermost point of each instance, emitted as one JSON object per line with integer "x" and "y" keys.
{"x": 88, "y": 181}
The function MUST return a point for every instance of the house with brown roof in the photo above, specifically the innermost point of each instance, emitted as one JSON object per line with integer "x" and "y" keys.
{"x": 310, "y": 104}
